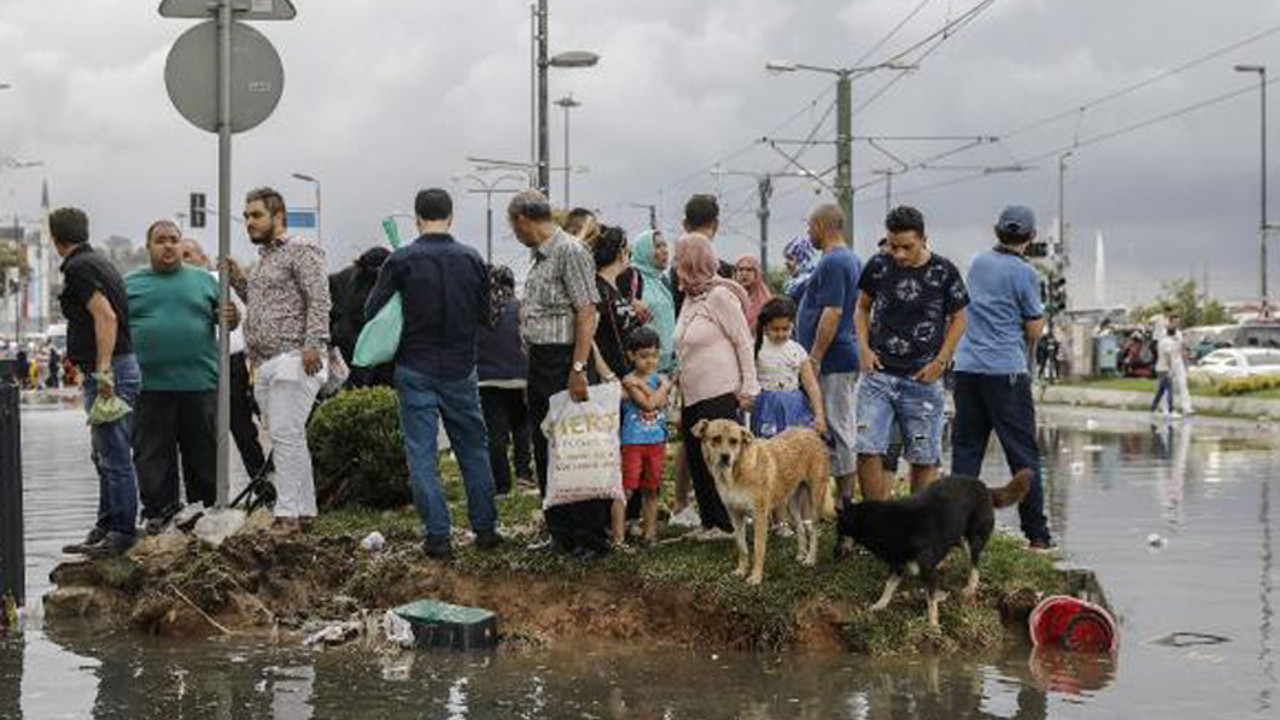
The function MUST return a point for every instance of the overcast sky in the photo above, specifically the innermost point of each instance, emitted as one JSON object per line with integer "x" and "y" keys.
{"x": 383, "y": 97}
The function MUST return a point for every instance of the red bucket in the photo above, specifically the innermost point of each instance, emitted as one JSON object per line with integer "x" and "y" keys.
{"x": 1074, "y": 624}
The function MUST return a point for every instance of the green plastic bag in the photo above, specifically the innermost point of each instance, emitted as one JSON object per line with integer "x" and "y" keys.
{"x": 107, "y": 410}
{"x": 380, "y": 337}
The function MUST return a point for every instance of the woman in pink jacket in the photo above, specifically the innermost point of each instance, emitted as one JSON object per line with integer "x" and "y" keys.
{"x": 717, "y": 363}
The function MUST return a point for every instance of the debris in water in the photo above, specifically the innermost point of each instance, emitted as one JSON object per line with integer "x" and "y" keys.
{"x": 1188, "y": 639}
{"x": 334, "y": 634}
{"x": 397, "y": 630}
{"x": 1093, "y": 448}
{"x": 439, "y": 624}
{"x": 1090, "y": 424}
{"x": 1157, "y": 541}
{"x": 1077, "y": 468}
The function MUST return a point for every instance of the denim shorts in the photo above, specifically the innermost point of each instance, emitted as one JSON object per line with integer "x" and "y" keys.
{"x": 887, "y": 401}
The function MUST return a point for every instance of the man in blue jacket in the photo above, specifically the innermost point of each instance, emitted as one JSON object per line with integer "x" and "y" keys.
{"x": 444, "y": 290}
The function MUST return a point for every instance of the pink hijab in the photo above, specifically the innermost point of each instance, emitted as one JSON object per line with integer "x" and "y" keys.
{"x": 757, "y": 294}
{"x": 697, "y": 266}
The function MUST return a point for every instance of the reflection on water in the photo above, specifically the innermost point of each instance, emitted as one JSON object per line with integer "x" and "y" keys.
{"x": 1111, "y": 483}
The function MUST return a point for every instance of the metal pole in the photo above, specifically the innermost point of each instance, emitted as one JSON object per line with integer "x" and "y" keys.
{"x": 12, "y": 561}
{"x": 844, "y": 149}
{"x": 319, "y": 216}
{"x": 653, "y": 217}
{"x": 20, "y": 297}
{"x": 1262, "y": 225}
{"x": 544, "y": 140}
{"x": 1063, "y": 256}
{"x": 765, "y": 186}
{"x": 488, "y": 227}
{"x": 888, "y": 194}
{"x": 224, "y": 249}
{"x": 567, "y": 173}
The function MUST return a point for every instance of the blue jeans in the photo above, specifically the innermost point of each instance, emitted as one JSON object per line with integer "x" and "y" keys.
{"x": 423, "y": 401}
{"x": 916, "y": 408}
{"x": 1000, "y": 404}
{"x": 1164, "y": 390}
{"x": 113, "y": 450}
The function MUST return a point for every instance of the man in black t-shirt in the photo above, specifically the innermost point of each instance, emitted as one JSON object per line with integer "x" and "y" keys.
{"x": 910, "y": 317}
{"x": 96, "y": 306}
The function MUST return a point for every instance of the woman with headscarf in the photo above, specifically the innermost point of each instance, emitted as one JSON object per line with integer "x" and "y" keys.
{"x": 717, "y": 363}
{"x": 749, "y": 273}
{"x": 801, "y": 258}
{"x": 649, "y": 258}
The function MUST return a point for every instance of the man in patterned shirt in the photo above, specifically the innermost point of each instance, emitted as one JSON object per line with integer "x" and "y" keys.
{"x": 910, "y": 317}
{"x": 557, "y": 322}
{"x": 286, "y": 330}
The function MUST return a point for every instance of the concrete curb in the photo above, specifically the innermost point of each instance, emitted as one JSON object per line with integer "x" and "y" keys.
{"x": 1242, "y": 407}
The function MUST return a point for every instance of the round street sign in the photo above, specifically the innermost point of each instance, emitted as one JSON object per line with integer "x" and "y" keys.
{"x": 191, "y": 76}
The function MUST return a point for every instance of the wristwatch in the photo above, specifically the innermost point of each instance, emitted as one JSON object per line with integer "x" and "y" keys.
{"x": 579, "y": 367}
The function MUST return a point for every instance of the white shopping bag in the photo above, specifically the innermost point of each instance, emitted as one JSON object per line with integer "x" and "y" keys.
{"x": 584, "y": 457}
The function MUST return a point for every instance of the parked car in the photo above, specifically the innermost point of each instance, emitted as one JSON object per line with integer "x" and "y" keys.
{"x": 1237, "y": 362}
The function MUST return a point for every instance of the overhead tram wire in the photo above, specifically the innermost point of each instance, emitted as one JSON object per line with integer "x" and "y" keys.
{"x": 1100, "y": 137}
{"x": 1132, "y": 88}
{"x": 941, "y": 36}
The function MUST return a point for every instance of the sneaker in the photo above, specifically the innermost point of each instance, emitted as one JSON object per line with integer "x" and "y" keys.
{"x": 783, "y": 530}
{"x": 110, "y": 545}
{"x": 688, "y": 517}
{"x": 488, "y": 540}
{"x": 154, "y": 526}
{"x": 94, "y": 537}
{"x": 438, "y": 548}
{"x": 543, "y": 545}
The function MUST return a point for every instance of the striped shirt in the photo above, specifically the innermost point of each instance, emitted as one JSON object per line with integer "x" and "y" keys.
{"x": 562, "y": 279}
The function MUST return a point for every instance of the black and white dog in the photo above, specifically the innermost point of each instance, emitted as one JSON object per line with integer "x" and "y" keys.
{"x": 914, "y": 534}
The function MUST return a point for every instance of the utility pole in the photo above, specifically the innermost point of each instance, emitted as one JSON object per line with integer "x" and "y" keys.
{"x": 1063, "y": 252}
{"x": 764, "y": 188}
{"x": 844, "y": 122}
{"x": 1263, "y": 226}
{"x": 568, "y": 104}
{"x": 844, "y": 148}
{"x": 544, "y": 139}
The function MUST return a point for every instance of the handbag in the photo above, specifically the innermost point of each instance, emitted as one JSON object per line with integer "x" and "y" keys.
{"x": 380, "y": 338}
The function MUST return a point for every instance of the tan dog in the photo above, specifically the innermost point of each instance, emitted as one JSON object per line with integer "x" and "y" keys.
{"x": 755, "y": 476}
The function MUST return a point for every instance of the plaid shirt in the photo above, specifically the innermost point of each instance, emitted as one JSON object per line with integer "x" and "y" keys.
{"x": 287, "y": 300}
{"x": 562, "y": 279}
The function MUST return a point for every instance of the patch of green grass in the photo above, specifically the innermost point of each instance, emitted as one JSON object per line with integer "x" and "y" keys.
{"x": 760, "y": 617}
{"x": 1148, "y": 385}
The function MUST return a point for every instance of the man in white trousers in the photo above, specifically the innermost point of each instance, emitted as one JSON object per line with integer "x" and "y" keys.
{"x": 286, "y": 329}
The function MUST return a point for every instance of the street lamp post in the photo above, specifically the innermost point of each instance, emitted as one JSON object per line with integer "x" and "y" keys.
{"x": 844, "y": 120}
{"x": 567, "y": 103}
{"x": 489, "y": 189}
{"x": 309, "y": 179}
{"x": 1263, "y": 226}
{"x": 570, "y": 59}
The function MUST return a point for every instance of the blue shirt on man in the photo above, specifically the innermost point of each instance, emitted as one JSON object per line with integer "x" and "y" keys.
{"x": 1004, "y": 293}
{"x": 444, "y": 290}
{"x": 834, "y": 283}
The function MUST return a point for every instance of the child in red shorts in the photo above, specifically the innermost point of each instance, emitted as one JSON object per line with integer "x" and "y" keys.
{"x": 644, "y": 431}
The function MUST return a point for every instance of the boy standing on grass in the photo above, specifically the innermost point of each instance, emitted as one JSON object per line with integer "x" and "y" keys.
{"x": 644, "y": 431}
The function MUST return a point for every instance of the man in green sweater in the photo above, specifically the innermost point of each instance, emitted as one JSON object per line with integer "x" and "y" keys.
{"x": 173, "y": 318}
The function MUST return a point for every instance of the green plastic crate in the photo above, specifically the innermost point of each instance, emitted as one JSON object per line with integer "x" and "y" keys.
{"x": 441, "y": 625}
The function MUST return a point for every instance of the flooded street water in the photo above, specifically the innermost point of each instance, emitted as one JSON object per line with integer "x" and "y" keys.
{"x": 1206, "y": 490}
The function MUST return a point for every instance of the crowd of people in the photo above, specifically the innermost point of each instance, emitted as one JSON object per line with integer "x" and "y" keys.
{"x": 856, "y": 348}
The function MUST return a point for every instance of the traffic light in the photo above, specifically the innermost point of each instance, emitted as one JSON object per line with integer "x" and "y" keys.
{"x": 1055, "y": 300}
{"x": 197, "y": 210}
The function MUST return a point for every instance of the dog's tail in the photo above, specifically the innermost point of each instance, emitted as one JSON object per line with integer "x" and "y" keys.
{"x": 1012, "y": 493}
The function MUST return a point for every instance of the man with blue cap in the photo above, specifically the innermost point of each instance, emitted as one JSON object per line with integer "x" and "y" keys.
{"x": 993, "y": 380}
